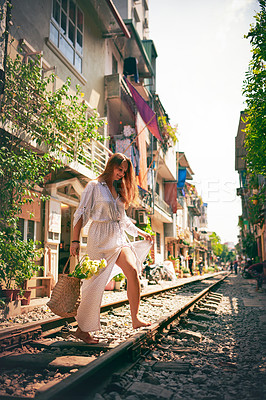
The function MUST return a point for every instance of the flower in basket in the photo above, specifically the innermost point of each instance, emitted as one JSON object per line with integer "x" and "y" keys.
{"x": 87, "y": 268}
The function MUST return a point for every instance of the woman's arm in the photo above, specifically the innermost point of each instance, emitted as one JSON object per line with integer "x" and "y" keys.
{"x": 144, "y": 234}
{"x": 75, "y": 244}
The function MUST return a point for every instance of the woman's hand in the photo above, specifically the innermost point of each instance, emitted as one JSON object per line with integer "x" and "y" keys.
{"x": 74, "y": 248}
{"x": 146, "y": 236}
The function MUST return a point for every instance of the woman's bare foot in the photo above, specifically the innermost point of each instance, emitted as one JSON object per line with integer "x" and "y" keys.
{"x": 139, "y": 323}
{"x": 85, "y": 336}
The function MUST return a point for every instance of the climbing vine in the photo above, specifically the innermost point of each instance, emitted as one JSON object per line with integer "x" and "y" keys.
{"x": 41, "y": 130}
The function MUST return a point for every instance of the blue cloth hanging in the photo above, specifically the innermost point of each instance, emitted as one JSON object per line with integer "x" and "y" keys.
{"x": 182, "y": 174}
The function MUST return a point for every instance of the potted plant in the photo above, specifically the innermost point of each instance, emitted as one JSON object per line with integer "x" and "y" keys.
{"x": 18, "y": 261}
{"x": 185, "y": 272}
{"x": 118, "y": 281}
{"x": 174, "y": 261}
{"x": 149, "y": 259}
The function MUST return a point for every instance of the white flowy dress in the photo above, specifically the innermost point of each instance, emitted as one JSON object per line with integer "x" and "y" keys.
{"x": 108, "y": 224}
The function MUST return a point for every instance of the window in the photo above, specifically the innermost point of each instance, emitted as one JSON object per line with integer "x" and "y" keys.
{"x": 157, "y": 188}
{"x": 66, "y": 30}
{"x": 21, "y": 222}
{"x": 30, "y": 230}
{"x": 158, "y": 242}
{"x": 54, "y": 236}
{"x": 27, "y": 229}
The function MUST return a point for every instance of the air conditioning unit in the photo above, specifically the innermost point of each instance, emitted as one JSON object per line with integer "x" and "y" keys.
{"x": 142, "y": 217}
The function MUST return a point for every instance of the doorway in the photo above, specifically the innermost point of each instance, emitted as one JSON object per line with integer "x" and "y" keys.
{"x": 64, "y": 245}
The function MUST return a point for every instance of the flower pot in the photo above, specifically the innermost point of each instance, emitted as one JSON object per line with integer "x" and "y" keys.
{"x": 8, "y": 293}
{"x": 110, "y": 285}
{"x": 118, "y": 285}
{"x": 25, "y": 301}
{"x": 16, "y": 294}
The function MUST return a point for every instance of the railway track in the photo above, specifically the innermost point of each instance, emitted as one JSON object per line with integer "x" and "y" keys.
{"x": 19, "y": 335}
{"x": 73, "y": 374}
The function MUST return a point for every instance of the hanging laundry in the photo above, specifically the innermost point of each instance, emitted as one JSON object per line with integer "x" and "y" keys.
{"x": 131, "y": 68}
{"x": 129, "y": 131}
{"x": 135, "y": 158}
{"x": 150, "y": 177}
{"x": 123, "y": 146}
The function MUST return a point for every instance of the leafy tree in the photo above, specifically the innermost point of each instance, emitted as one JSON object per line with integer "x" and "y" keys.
{"x": 58, "y": 121}
{"x": 55, "y": 123}
{"x": 227, "y": 255}
{"x": 254, "y": 90}
{"x": 21, "y": 171}
{"x": 40, "y": 131}
{"x": 216, "y": 244}
{"x": 249, "y": 245}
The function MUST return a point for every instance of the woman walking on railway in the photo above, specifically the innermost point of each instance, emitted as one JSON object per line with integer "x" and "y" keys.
{"x": 103, "y": 204}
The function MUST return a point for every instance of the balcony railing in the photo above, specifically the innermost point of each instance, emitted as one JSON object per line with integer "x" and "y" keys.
{"x": 145, "y": 198}
{"x": 160, "y": 203}
{"x": 180, "y": 202}
{"x": 93, "y": 155}
{"x": 194, "y": 205}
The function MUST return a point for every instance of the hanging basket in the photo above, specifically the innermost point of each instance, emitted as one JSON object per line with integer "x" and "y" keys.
{"x": 65, "y": 298}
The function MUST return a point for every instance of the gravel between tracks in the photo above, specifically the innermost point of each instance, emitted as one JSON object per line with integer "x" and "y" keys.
{"x": 230, "y": 362}
{"x": 42, "y": 312}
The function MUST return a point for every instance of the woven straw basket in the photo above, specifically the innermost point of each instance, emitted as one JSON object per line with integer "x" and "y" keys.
{"x": 65, "y": 298}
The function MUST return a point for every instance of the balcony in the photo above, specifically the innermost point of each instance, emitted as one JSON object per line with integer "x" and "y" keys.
{"x": 89, "y": 162}
{"x": 180, "y": 202}
{"x": 162, "y": 205}
{"x": 170, "y": 229}
{"x": 29, "y": 118}
{"x": 145, "y": 199}
{"x": 121, "y": 106}
{"x": 194, "y": 206}
{"x": 93, "y": 158}
{"x": 114, "y": 86}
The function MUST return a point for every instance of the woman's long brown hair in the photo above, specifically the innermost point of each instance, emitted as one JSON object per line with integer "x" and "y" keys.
{"x": 126, "y": 187}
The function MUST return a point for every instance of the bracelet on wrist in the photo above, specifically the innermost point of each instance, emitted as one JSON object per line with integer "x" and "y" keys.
{"x": 75, "y": 241}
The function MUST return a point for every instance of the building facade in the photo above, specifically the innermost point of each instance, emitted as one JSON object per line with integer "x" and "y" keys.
{"x": 104, "y": 47}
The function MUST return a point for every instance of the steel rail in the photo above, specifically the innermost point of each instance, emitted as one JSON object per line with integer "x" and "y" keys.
{"x": 18, "y": 335}
{"x": 124, "y": 353}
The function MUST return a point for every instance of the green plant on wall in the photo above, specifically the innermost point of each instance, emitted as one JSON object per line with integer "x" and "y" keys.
{"x": 18, "y": 259}
{"x": 169, "y": 133}
{"x": 40, "y": 131}
{"x": 254, "y": 91}
{"x": 58, "y": 123}
{"x": 147, "y": 228}
{"x": 256, "y": 201}
{"x": 249, "y": 245}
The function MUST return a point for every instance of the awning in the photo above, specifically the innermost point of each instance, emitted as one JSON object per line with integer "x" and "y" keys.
{"x": 147, "y": 114}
